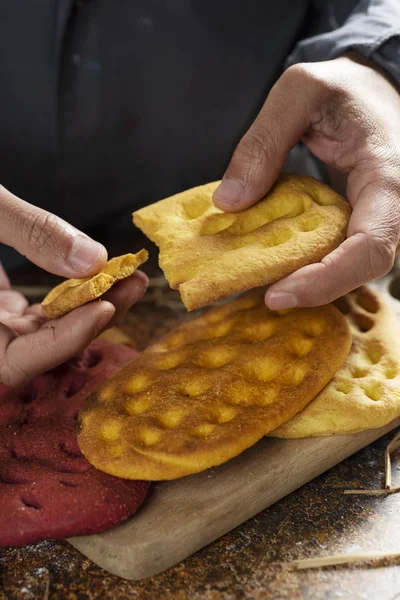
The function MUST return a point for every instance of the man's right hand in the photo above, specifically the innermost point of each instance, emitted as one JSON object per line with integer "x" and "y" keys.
{"x": 29, "y": 343}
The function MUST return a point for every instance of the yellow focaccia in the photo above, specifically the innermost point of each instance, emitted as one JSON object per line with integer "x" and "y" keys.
{"x": 208, "y": 255}
{"x": 211, "y": 388}
{"x": 75, "y": 292}
{"x": 365, "y": 392}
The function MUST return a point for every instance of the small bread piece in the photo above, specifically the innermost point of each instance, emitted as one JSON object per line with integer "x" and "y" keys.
{"x": 75, "y": 292}
{"x": 365, "y": 392}
{"x": 209, "y": 255}
{"x": 211, "y": 388}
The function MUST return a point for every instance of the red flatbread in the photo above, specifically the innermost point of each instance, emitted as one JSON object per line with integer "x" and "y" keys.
{"x": 48, "y": 490}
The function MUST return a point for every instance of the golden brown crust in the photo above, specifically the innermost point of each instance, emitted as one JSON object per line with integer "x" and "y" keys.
{"x": 211, "y": 388}
{"x": 75, "y": 292}
{"x": 365, "y": 392}
{"x": 209, "y": 255}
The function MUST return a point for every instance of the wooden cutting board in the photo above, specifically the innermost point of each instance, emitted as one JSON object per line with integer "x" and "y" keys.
{"x": 182, "y": 516}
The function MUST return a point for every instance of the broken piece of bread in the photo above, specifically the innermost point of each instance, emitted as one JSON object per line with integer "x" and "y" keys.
{"x": 75, "y": 292}
{"x": 208, "y": 255}
{"x": 365, "y": 392}
{"x": 211, "y": 388}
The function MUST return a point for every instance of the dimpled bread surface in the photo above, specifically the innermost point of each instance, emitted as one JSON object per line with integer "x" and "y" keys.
{"x": 365, "y": 392}
{"x": 211, "y": 388}
{"x": 75, "y": 292}
{"x": 209, "y": 255}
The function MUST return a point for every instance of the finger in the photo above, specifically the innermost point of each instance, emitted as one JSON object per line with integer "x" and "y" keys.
{"x": 25, "y": 324}
{"x": 361, "y": 258}
{"x": 24, "y": 357}
{"x": 125, "y": 294}
{"x": 262, "y": 151}
{"x": 47, "y": 240}
{"x": 4, "y": 281}
{"x": 12, "y": 302}
{"x": 34, "y": 309}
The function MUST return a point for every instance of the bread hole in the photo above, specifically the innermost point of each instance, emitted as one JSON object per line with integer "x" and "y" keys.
{"x": 110, "y": 431}
{"x": 203, "y": 430}
{"x": 31, "y": 503}
{"x": 268, "y": 210}
{"x": 28, "y": 394}
{"x": 248, "y": 302}
{"x": 169, "y": 361}
{"x": 70, "y": 484}
{"x": 239, "y": 392}
{"x": 263, "y": 368}
{"x": 139, "y": 404}
{"x": 13, "y": 453}
{"x": 314, "y": 327}
{"x": 344, "y": 387}
{"x": 217, "y": 223}
{"x": 195, "y": 206}
{"x": 358, "y": 372}
{"x": 175, "y": 339}
{"x": 195, "y": 387}
{"x": 343, "y": 305}
{"x": 322, "y": 198}
{"x": 216, "y": 314}
{"x": 115, "y": 450}
{"x": 224, "y": 414}
{"x": 294, "y": 375}
{"x": 367, "y": 302}
{"x": 276, "y": 238}
{"x": 75, "y": 415}
{"x": 373, "y": 353}
{"x": 137, "y": 383}
{"x": 172, "y": 418}
{"x": 76, "y": 385}
{"x": 310, "y": 223}
{"x": 220, "y": 329}
{"x": 391, "y": 372}
{"x": 363, "y": 323}
{"x": 149, "y": 437}
{"x": 301, "y": 346}
{"x": 373, "y": 391}
{"x": 216, "y": 357}
{"x": 260, "y": 331}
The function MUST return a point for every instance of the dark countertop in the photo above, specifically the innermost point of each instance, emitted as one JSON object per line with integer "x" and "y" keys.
{"x": 251, "y": 561}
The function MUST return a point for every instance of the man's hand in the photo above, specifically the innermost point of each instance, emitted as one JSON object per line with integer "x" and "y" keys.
{"x": 29, "y": 343}
{"x": 348, "y": 114}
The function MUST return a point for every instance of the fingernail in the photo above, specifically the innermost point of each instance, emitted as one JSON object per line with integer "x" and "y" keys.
{"x": 143, "y": 278}
{"x": 85, "y": 253}
{"x": 280, "y": 300}
{"x": 104, "y": 318}
{"x": 229, "y": 192}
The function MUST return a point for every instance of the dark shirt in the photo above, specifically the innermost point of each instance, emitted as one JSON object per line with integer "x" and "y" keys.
{"x": 107, "y": 105}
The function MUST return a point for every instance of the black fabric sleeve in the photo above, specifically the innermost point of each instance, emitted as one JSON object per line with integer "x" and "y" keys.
{"x": 370, "y": 27}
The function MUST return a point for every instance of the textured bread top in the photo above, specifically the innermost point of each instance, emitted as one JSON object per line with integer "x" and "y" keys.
{"x": 211, "y": 388}
{"x": 208, "y": 255}
{"x": 365, "y": 392}
{"x": 75, "y": 292}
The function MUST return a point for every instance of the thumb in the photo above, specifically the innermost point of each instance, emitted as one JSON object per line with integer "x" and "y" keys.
{"x": 47, "y": 240}
{"x": 262, "y": 151}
